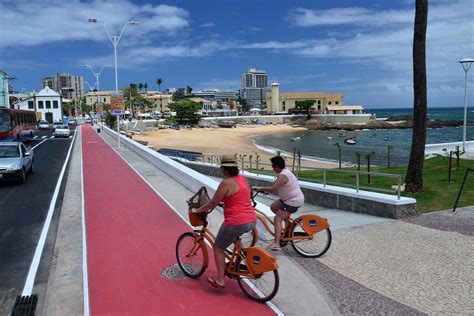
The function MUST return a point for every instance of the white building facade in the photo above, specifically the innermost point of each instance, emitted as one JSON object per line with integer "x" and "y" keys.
{"x": 47, "y": 102}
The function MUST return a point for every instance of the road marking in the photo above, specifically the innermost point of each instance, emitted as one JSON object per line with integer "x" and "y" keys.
{"x": 43, "y": 136}
{"x": 30, "y": 280}
{"x": 39, "y": 143}
{"x": 85, "y": 278}
{"x": 36, "y": 136}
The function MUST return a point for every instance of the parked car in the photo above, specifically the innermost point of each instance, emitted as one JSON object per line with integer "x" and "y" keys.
{"x": 15, "y": 161}
{"x": 88, "y": 120}
{"x": 44, "y": 125}
{"x": 72, "y": 122}
{"x": 62, "y": 131}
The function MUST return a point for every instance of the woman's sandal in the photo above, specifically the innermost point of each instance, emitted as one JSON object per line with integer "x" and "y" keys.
{"x": 273, "y": 248}
{"x": 214, "y": 283}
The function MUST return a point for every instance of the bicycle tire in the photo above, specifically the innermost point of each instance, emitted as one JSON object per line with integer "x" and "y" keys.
{"x": 254, "y": 287}
{"x": 310, "y": 248}
{"x": 192, "y": 267}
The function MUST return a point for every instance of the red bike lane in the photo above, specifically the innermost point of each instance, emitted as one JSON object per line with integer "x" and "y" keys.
{"x": 131, "y": 238}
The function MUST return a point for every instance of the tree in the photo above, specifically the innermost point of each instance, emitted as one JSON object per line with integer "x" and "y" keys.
{"x": 140, "y": 86}
{"x": 305, "y": 105}
{"x": 159, "y": 81}
{"x": 189, "y": 90}
{"x": 145, "y": 85}
{"x": 339, "y": 154}
{"x": 67, "y": 107}
{"x": 414, "y": 175}
{"x": 244, "y": 104}
{"x": 186, "y": 111}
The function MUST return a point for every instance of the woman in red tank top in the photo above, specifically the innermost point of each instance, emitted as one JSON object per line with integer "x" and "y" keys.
{"x": 239, "y": 215}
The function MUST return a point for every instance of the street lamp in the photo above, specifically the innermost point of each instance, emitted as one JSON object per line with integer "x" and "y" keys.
{"x": 466, "y": 64}
{"x": 115, "y": 41}
{"x": 97, "y": 76}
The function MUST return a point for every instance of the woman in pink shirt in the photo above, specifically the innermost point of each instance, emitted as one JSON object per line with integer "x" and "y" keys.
{"x": 291, "y": 197}
{"x": 239, "y": 215}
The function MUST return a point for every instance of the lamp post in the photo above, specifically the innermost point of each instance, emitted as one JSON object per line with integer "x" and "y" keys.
{"x": 466, "y": 64}
{"x": 115, "y": 41}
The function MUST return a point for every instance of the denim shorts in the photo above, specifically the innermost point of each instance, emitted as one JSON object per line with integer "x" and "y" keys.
{"x": 228, "y": 234}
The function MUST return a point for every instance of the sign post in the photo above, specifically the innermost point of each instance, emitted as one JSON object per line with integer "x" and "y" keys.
{"x": 118, "y": 112}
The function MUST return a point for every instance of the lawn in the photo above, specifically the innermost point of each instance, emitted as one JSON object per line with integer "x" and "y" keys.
{"x": 439, "y": 194}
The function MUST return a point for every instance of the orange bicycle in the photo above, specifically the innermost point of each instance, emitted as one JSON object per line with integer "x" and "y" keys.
{"x": 255, "y": 269}
{"x": 308, "y": 234}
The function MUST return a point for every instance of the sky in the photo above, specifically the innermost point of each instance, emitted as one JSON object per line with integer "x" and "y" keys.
{"x": 362, "y": 49}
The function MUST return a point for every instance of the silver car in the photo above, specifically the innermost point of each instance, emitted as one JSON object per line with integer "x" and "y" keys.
{"x": 62, "y": 131}
{"x": 15, "y": 161}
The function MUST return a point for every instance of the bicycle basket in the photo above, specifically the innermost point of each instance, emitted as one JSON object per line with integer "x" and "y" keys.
{"x": 197, "y": 200}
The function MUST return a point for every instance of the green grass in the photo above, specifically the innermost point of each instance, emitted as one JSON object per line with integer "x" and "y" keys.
{"x": 439, "y": 194}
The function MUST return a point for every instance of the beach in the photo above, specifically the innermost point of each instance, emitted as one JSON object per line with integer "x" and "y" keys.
{"x": 221, "y": 141}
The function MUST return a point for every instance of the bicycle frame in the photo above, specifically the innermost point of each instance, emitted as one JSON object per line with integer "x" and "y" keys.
{"x": 204, "y": 234}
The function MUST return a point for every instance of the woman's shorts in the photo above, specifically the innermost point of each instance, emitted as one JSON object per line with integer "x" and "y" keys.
{"x": 288, "y": 208}
{"x": 228, "y": 234}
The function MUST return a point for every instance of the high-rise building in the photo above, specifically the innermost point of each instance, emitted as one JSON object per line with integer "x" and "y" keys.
{"x": 254, "y": 84}
{"x": 69, "y": 86}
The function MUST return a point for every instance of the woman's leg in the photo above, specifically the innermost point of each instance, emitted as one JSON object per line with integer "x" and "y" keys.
{"x": 219, "y": 257}
{"x": 280, "y": 216}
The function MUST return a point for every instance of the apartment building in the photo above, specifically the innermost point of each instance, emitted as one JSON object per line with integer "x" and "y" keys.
{"x": 69, "y": 86}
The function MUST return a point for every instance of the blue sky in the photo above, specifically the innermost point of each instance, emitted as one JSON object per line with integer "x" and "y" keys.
{"x": 362, "y": 49}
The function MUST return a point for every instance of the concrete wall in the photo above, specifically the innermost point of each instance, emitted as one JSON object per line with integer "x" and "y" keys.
{"x": 342, "y": 118}
{"x": 296, "y": 119}
{"x": 431, "y": 149}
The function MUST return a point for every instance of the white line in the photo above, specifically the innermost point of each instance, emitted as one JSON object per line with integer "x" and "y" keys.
{"x": 39, "y": 143}
{"x": 30, "y": 280}
{"x": 44, "y": 136}
{"x": 85, "y": 273}
{"x": 270, "y": 304}
{"x": 35, "y": 137}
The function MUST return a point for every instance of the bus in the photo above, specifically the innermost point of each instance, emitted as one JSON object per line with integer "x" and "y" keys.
{"x": 17, "y": 125}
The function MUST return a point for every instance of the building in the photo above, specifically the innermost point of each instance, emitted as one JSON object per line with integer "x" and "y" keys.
{"x": 47, "y": 102}
{"x": 4, "y": 95}
{"x": 254, "y": 83}
{"x": 217, "y": 95}
{"x": 158, "y": 99}
{"x": 94, "y": 98}
{"x": 282, "y": 102}
{"x": 345, "y": 109}
{"x": 69, "y": 86}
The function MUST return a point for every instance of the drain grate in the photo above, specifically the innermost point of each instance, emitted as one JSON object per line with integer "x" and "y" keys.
{"x": 173, "y": 272}
{"x": 25, "y": 305}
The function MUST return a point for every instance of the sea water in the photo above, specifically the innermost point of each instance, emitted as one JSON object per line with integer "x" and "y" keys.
{"x": 320, "y": 145}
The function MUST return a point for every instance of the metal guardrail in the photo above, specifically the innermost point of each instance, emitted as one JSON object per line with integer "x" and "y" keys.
{"x": 255, "y": 166}
{"x": 462, "y": 187}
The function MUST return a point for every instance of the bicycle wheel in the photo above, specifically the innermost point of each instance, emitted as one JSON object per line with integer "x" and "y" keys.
{"x": 191, "y": 255}
{"x": 262, "y": 287}
{"x": 310, "y": 246}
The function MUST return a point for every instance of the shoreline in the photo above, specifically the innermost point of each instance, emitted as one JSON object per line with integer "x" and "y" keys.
{"x": 221, "y": 141}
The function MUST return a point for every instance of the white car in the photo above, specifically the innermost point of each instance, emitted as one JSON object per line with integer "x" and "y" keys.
{"x": 62, "y": 131}
{"x": 15, "y": 161}
{"x": 43, "y": 125}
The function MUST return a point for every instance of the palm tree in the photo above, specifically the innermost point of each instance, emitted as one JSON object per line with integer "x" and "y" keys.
{"x": 159, "y": 81}
{"x": 145, "y": 85}
{"x": 140, "y": 86}
{"x": 414, "y": 175}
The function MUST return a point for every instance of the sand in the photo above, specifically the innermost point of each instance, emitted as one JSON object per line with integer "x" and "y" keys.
{"x": 221, "y": 141}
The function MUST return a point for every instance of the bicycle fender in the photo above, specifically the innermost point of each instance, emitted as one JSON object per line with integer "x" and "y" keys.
{"x": 312, "y": 223}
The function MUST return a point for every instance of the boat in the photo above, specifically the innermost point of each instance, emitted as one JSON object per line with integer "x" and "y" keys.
{"x": 295, "y": 139}
{"x": 342, "y": 132}
{"x": 350, "y": 140}
{"x": 387, "y": 139}
{"x": 226, "y": 124}
{"x": 329, "y": 137}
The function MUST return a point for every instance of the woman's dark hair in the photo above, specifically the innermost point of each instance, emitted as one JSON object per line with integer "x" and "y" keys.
{"x": 278, "y": 161}
{"x": 232, "y": 171}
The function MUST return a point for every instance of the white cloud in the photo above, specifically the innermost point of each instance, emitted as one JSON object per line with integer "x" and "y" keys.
{"x": 210, "y": 24}
{"x": 30, "y": 23}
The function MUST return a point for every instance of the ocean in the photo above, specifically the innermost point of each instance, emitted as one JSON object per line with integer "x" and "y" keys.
{"x": 320, "y": 145}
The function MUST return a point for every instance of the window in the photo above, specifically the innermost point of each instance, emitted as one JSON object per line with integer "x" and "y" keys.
{"x": 40, "y": 105}
{"x": 55, "y": 104}
{"x": 48, "y": 104}
{"x": 284, "y": 104}
{"x": 104, "y": 99}
{"x": 319, "y": 102}
{"x": 337, "y": 102}
{"x": 30, "y": 105}
{"x": 329, "y": 102}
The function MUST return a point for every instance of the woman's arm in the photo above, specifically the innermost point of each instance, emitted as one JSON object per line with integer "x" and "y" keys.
{"x": 279, "y": 182}
{"x": 218, "y": 197}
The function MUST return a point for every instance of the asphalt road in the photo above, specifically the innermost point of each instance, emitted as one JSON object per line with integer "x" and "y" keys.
{"x": 23, "y": 210}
